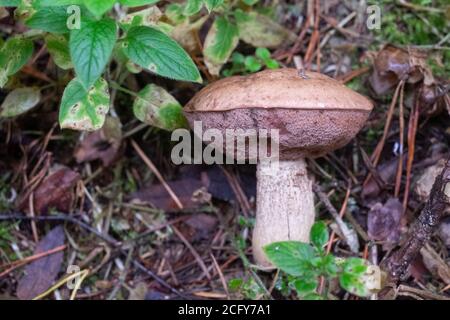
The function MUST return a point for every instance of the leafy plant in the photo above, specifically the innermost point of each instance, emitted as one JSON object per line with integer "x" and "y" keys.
{"x": 304, "y": 264}
{"x": 252, "y": 63}
{"x": 98, "y": 43}
{"x": 88, "y": 36}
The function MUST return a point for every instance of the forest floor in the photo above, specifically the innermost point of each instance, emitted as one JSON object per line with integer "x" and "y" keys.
{"x": 93, "y": 202}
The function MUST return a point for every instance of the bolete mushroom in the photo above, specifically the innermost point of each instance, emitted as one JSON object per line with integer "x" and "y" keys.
{"x": 314, "y": 114}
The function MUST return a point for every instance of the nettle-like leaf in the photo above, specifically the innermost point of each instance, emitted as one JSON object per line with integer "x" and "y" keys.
{"x": 99, "y": 7}
{"x": 58, "y": 47}
{"x": 156, "y": 107}
{"x": 157, "y": 52}
{"x": 13, "y": 56}
{"x": 49, "y": 19}
{"x": 292, "y": 257}
{"x": 220, "y": 42}
{"x": 192, "y": 7}
{"x": 250, "y": 2}
{"x": 319, "y": 234}
{"x": 137, "y": 3}
{"x": 212, "y": 4}
{"x": 83, "y": 109}
{"x": 19, "y": 101}
{"x": 91, "y": 47}
{"x": 261, "y": 31}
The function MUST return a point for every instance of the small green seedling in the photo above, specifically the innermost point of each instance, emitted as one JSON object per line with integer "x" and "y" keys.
{"x": 304, "y": 264}
{"x": 252, "y": 63}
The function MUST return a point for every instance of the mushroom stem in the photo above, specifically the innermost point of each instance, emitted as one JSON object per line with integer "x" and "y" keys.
{"x": 284, "y": 205}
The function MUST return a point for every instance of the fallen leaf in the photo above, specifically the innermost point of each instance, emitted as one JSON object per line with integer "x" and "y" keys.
{"x": 186, "y": 34}
{"x": 195, "y": 187}
{"x": 393, "y": 64}
{"x": 202, "y": 225}
{"x": 386, "y": 172}
{"x": 384, "y": 222}
{"x": 19, "y": 101}
{"x": 104, "y": 145}
{"x": 55, "y": 191}
{"x": 426, "y": 180}
{"x": 139, "y": 292}
{"x": 40, "y": 274}
{"x": 261, "y": 31}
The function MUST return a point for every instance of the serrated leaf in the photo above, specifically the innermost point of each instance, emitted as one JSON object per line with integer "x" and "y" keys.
{"x": 19, "y": 101}
{"x": 212, "y": 4}
{"x": 58, "y": 47}
{"x": 192, "y": 7}
{"x": 157, "y": 52}
{"x": 220, "y": 42}
{"x": 156, "y": 107}
{"x": 261, "y": 31}
{"x": 91, "y": 47}
{"x": 13, "y": 56}
{"x": 49, "y": 19}
{"x": 137, "y": 3}
{"x": 83, "y": 109}
{"x": 99, "y": 7}
{"x": 290, "y": 256}
{"x": 319, "y": 234}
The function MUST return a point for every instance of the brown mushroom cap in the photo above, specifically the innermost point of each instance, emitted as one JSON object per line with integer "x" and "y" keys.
{"x": 314, "y": 114}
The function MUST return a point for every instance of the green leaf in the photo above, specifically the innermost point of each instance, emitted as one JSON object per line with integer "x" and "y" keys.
{"x": 235, "y": 284}
{"x": 58, "y": 47}
{"x": 290, "y": 256}
{"x": 13, "y": 56}
{"x": 192, "y": 7}
{"x": 83, "y": 109}
{"x": 305, "y": 286}
{"x": 355, "y": 266}
{"x": 156, "y": 107}
{"x": 262, "y": 53}
{"x": 19, "y": 101}
{"x": 157, "y": 52}
{"x": 252, "y": 64}
{"x": 137, "y": 3}
{"x": 261, "y": 31}
{"x": 220, "y": 42}
{"x": 91, "y": 47}
{"x": 99, "y": 7}
{"x": 49, "y": 19}
{"x": 272, "y": 64}
{"x": 319, "y": 234}
{"x": 212, "y": 4}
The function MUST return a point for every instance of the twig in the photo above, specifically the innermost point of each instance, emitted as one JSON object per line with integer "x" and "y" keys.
{"x": 397, "y": 265}
{"x": 158, "y": 175}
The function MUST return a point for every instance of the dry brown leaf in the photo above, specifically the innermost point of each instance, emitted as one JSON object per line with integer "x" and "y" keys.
{"x": 40, "y": 274}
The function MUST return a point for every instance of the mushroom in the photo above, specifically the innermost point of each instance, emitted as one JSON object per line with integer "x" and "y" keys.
{"x": 314, "y": 114}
